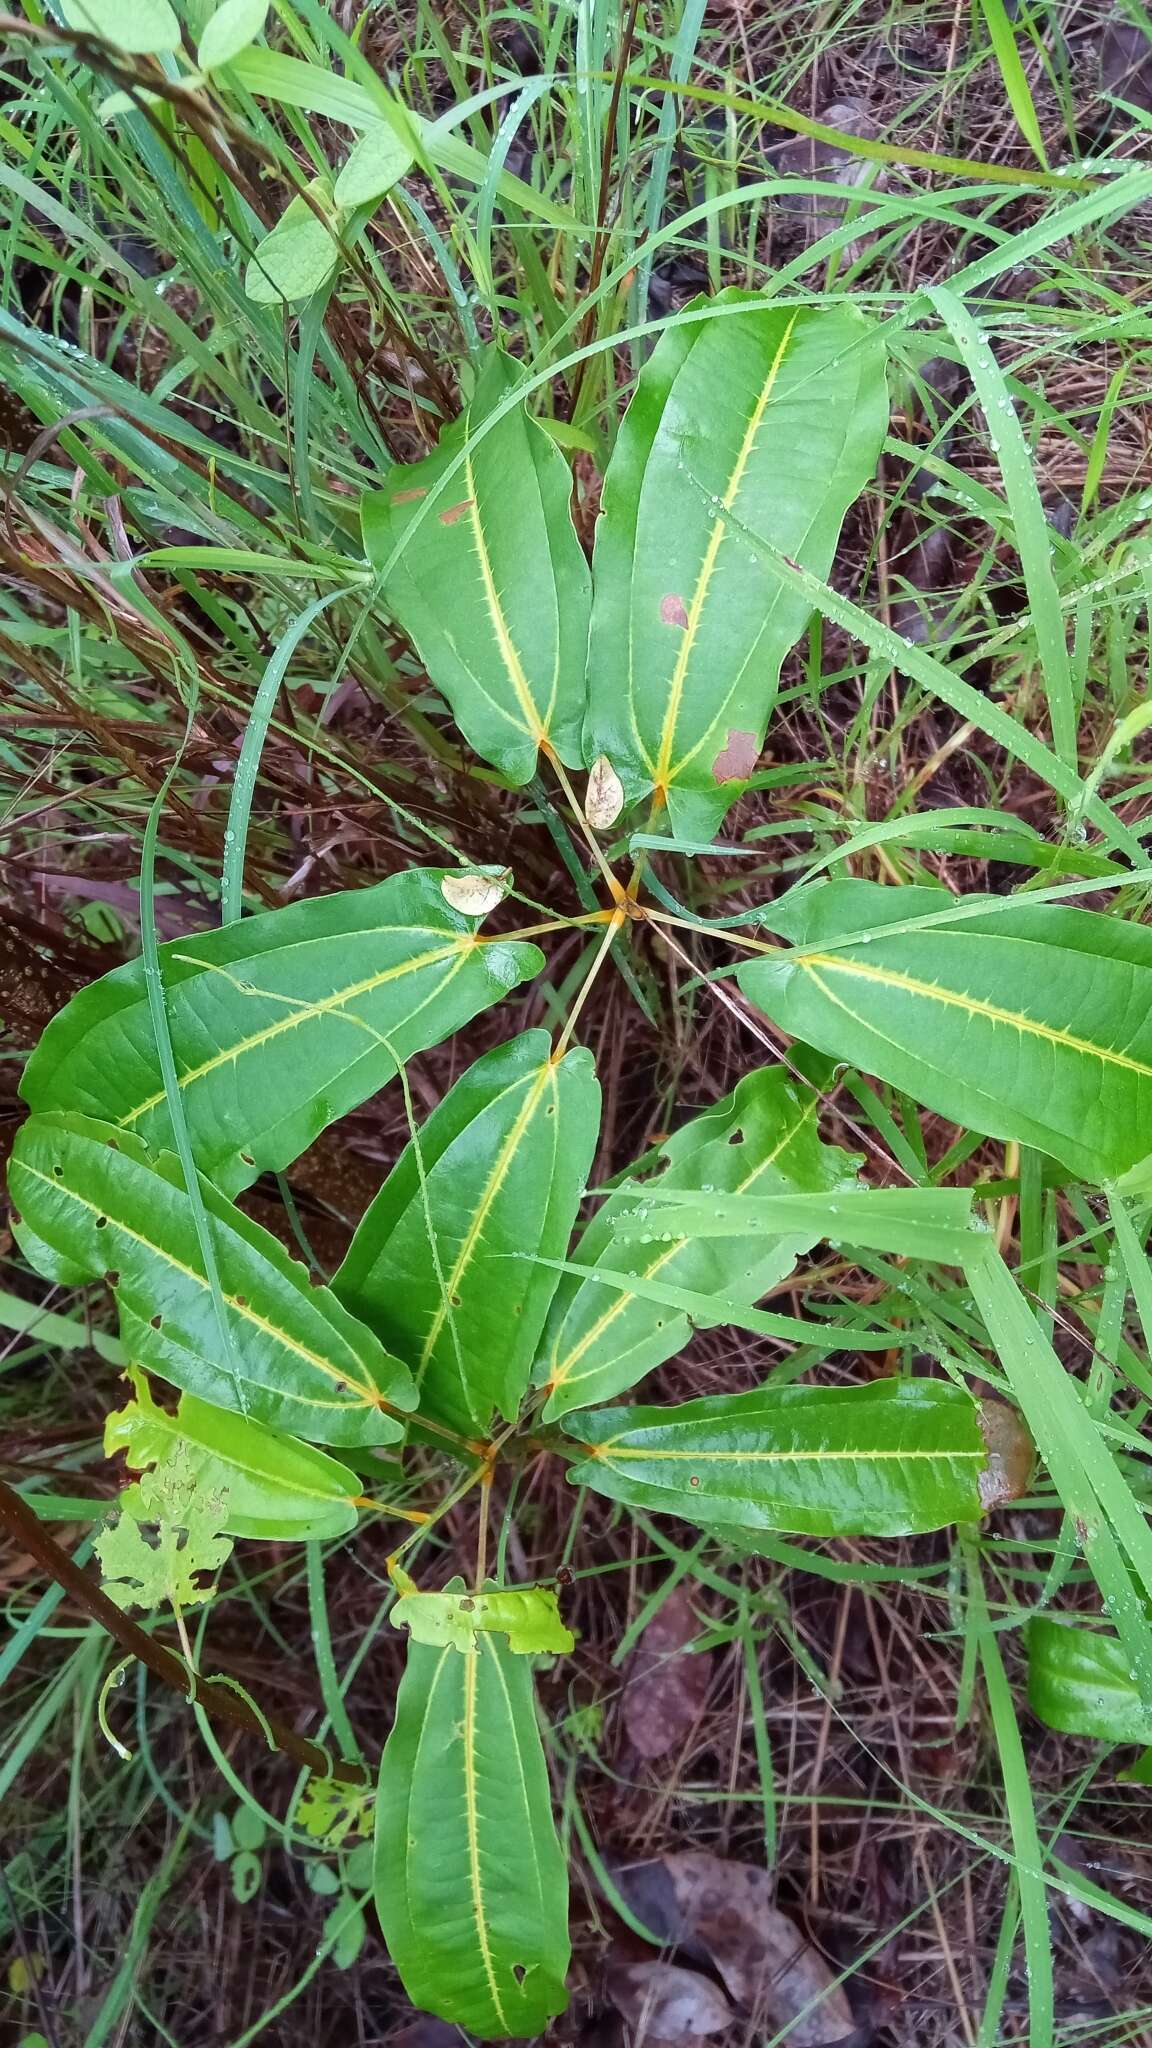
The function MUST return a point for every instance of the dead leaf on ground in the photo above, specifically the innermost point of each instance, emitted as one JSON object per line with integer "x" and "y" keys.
{"x": 722, "y": 1913}
{"x": 666, "y": 1683}
{"x": 809, "y": 157}
{"x": 665, "y": 2004}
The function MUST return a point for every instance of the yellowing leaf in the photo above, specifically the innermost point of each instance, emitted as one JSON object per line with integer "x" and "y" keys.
{"x": 475, "y": 891}
{"x": 527, "y": 1615}
{"x": 604, "y": 796}
{"x": 168, "y": 1531}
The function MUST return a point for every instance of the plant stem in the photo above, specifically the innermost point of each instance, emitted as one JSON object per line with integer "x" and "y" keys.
{"x": 215, "y": 1695}
{"x": 615, "y": 921}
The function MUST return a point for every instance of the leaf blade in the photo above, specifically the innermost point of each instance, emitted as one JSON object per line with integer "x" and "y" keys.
{"x": 470, "y": 1882}
{"x": 252, "y": 1010}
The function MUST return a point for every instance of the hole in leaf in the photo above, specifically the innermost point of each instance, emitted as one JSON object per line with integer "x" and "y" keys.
{"x": 241, "y": 1300}
{"x": 113, "y": 1144}
{"x": 156, "y": 1322}
{"x": 101, "y": 1223}
{"x": 519, "y": 1972}
{"x": 112, "y": 1277}
{"x": 17, "y": 1218}
{"x": 248, "y": 1159}
{"x": 339, "y": 1386}
{"x": 58, "y": 1171}
{"x": 455, "y": 1300}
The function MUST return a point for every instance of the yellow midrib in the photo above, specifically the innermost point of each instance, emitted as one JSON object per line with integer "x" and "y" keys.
{"x": 663, "y": 770}
{"x": 778, "y": 1457}
{"x": 371, "y": 1395}
{"x": 493, "y": 1185}
{"x": 973, "y": 1006}
{"x": 300, "y": 1015}
{"x": 509, "y": 653}
{"x": 563, "y": 1372}
{"x": 471, "y": 1822}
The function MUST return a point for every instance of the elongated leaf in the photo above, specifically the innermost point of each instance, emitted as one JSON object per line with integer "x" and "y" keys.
{"x": 491, "y": 587}
{"x": 921, "y": 1223}
{"x": 600, "y": 1338}
{"x": 1026, "y": 1021}
{"x": 90, "y": 1195}
{"x": 527, "y": 1615}
{"x": 271, "y": 1485}
{"x": 775, "y": 414}
{"x": 440, "y": 1265}
{"x": 470, "y": 1882}
{"x": 1079, "y": 1681}
{"x": 890, "y": 1459}
{"x": 280, "y": 1023}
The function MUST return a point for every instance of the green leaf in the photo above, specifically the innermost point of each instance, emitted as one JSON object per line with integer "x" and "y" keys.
{"x": 273, "y": 1485}
{"x": 1079, "y": 1681}
{"x": 249, "y": 1828}
{"x": 601, "y": 1338}
{"x": 346, "y": 1927}
{"x": 774, "y": 414}
{"x": 1022, "y": 1020}
{"x": 247, "y": 1876}
{"x": 90, "y": 1200}
{"x": 233, "y": 26}
{"x": 140, "y": 27}
{"x": 527, "y": 1615}
{"x": 470, "y": 1881}
{"x": 440, "y": 1265}
{"x": 491, "y": 586}
{"x": 299, "y": 254}
{"x": 378, "y": 161}
{"x": 915, "y": 1223}
{"x": 893, "y": 1458}
{"x": 184, "y": 1539}
{"x": 280, "y": 1023}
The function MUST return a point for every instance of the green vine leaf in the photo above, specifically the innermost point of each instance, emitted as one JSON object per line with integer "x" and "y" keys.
{"x": 89, "y": 1200}
{"x": 441, "y": 1264}
{"x": 167, "y": 1533}
{"x": 280, "y": 1023}
{"x": 491, "y": 585}
{"x": 776, "y": 415}
{"x": 527, "y": 1615}
{"x": 1023, "y": 1020}
{"x": 894, "y": 1458}
{"x": 470, "y": 1880}
{"x": 139, "y": 27}
{"x": 300, "y": 253}
{"x": 762, "y": 1139}
{"x": 272, "y": 1485}
{"x": 1080, "y": 1682}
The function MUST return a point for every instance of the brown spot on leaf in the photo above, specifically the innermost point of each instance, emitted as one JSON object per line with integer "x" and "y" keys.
{"x": 736, "y": 760}
{"x": 455, "y": 512}
{"x": 673, "y": 610}
{"x": 409, "y": 497}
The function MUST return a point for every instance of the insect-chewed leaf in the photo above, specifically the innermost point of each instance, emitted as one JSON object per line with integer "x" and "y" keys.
{"x": 89, "y": 1195}
{"x": 272, "y": 1485}
{"x": 441, "y": 1265}
{"x": 1080, "y": 1681}
{"x": 470, "y": 1881}
{"x": 166, "y": 1533}
{"x": 775, "y": 416}
{"x": 762, "y": 1139}
{"x": 491, "y": 585}
{"x": 892, "y": 1458}
{"x": 527, "y": 1615}
{"x": 280, "y": 1023}
{"x": 1023, "y": 1020}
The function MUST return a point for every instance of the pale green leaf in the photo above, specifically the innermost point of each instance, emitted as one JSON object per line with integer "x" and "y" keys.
{"x": 1023, "y": 1020}
{"x": 600, "y": 1337}
{"x": 299, "y": 254}
{"x": 914, "y": 1223}
{"x": 441, "y": 1266}
{"x": 139, "y": 27}
{"x": 490, "y": 583}
{"x": 90, "y": 1199}
{"x": 527, "y": 1615}
{"x": 1080, "y": 1681}
{"x": 234, "y": 25}
{"x": 470, "y": 1881}
{"x": 774, "y": 415}
{"x": 165, "y": 1537}
{"x": 893, "y": 1458}
{"x": 273, "y": 1486}
{"x": 380, "y": 158}
{"x": 280, "y": 1023}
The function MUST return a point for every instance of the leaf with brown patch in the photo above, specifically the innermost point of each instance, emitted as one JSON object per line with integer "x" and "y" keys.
{"x": 736, "y": 761}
